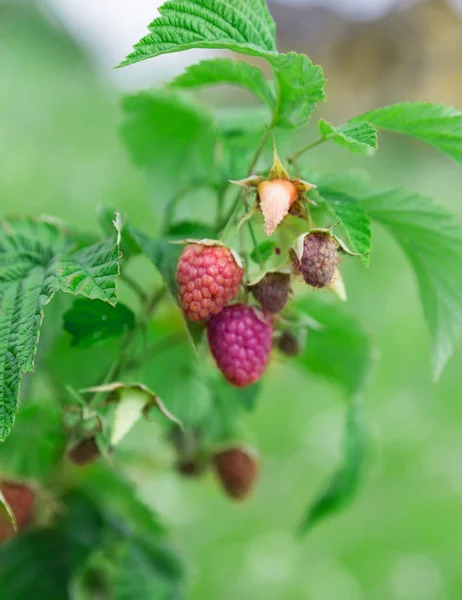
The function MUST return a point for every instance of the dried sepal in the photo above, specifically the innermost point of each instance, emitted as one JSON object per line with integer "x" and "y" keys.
{"x": 209, "y": 242}
{"x": 337, "y": 286}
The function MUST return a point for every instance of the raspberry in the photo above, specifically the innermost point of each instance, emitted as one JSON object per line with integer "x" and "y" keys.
{"x": 84, "y": 452}
{"x": 208, "y": 278}
{"x": 319, "y": 260}
{"x": 289, "y": 344}
{"x": 237, "y": 468}
{"x": 240, "y": 342}
{"x": 21, "y": 500}
{"x": 276, "y": 197}
{"x": 272, "y": 291}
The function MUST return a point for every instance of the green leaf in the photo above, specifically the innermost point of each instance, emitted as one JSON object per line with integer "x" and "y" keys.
{"x": 226, "y": 71}
{"x": 242, "y": 25}
{"x": 149, "y": 570}
{"x": 359, "y": 137}
{"x": 132, "y": 400}
{"x": 92, "y": 322}
{"x": 61, "y": 550}
{"x": 164, "y": 256}
{"x": 345, "y": 482}
{"x": 338, "y": 348}
{"x": 191, "y": 230}
{"x": 352, "y": 216}
{"x": 436, "y": 124}
{"x": 105, "y": 216}
{"x": 265, "y": 251}
{"x": 37, "y": 443}
{"x": 36, "y": 261}
{"x": 172, "y": 138}
{"x": 300, "y": 88}
{"x": 432, "y": 240}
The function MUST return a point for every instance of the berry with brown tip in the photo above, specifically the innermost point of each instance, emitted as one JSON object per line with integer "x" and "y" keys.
{"x": 237, "y": 469}
{"x": 276, "y": 197}
{"x": 272, "y": 292}
{"x": 208, "y": 278}
{"x": 240, "y": 339}
{"x": 84, "y": 452}
{"x": 319, "y": 260}
{"x": 21, "y": 500}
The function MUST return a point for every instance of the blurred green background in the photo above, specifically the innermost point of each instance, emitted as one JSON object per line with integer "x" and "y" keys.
{"x": 62, "y": 154}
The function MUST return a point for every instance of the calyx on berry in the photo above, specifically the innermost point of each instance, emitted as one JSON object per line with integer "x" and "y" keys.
{"x": 278, "y": 195}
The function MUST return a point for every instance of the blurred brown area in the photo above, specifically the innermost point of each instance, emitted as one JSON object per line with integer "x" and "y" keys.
{"x": 413, "y": 53}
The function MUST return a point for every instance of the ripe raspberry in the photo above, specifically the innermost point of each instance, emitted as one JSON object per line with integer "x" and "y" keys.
{"x": 319, "y": 259}
{"x": 240, "y": 342}
{"x": 84, "y": 452}
{"x": 21, "y": 500}
{"x": 272, "y": 291}
{"x": 208, "y": 278}
{"x": 276, "y": 197}
{"x": 237, "y": 468}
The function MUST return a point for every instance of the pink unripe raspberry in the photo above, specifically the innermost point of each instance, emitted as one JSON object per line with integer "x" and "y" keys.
{"x": 276, "y": 198}
{"x": 240, "y": 340}
{"x": 319, "y": 259}
{"x": 208, "y": 278}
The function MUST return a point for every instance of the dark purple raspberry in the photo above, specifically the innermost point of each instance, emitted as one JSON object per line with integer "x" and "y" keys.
{"x": 237, "y": 469}
{"x": 21, "y": 500}
{"x": 289, "y": 344}
{"x": 84, "y": 452}
{"x": 319, "y": 260}
{"x": 272, "y": 291}
{"x": 240, "y": 341}
{"x": 208, "y": 278}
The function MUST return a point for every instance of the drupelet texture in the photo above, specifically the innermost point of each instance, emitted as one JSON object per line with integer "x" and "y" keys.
{"x": 319, "y": 260}
{"x": 208, "y": 278}
{"x": 240, "y": 340}
{"x": 237, "y": 468}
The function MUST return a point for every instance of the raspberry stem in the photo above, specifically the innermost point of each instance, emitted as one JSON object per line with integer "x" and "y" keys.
{"x": 293, "y": 157}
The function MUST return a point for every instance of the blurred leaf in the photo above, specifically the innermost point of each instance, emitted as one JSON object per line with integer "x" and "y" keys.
{"x": 436, "y": 124}
{"x": 35, "y": 262}
{"x": 243, "y": 26}
{"x": 338, "y": 348}
{"x": 132, "y": 399}
{"x": 265, "y": 251}
{"x": 112, "y": 490}
{"x": 191, "y": 229}
{"x": 148, "y": 571}
{"x": 164, "y": 256}
{"x": 243, "y": 120}
{"x": 432, "y": 240}
{"x": 27, "y": 561}
{"x": 226, "y": 70}
{"x": 172, "y": 138}
{"x": 345, "y": 482}
{"x": 91, "y": 321}
{"x": 36, "y": 444}
{"x": 352, "y": 216}
{"x": 5, "y": 509}
{"x": 300, "y": 88}
{"x": 359, "y": 137}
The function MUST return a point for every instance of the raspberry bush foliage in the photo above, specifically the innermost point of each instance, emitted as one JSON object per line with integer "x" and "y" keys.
{"x": 252, "y": 276}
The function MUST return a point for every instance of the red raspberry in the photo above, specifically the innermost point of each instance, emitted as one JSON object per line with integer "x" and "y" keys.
{"x": 84, "y": 452}
{"x": 21, "y": 500}
{"x": 208, "y": 278}
{"x": 319, "y": 260}
{"x": 272, "y": 291}
{"x": 237, "y": 468}
{"x": 240, "y": 341}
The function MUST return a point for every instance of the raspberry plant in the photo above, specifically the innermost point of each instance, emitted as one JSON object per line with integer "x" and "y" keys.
{"x": 256, "y": 278}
